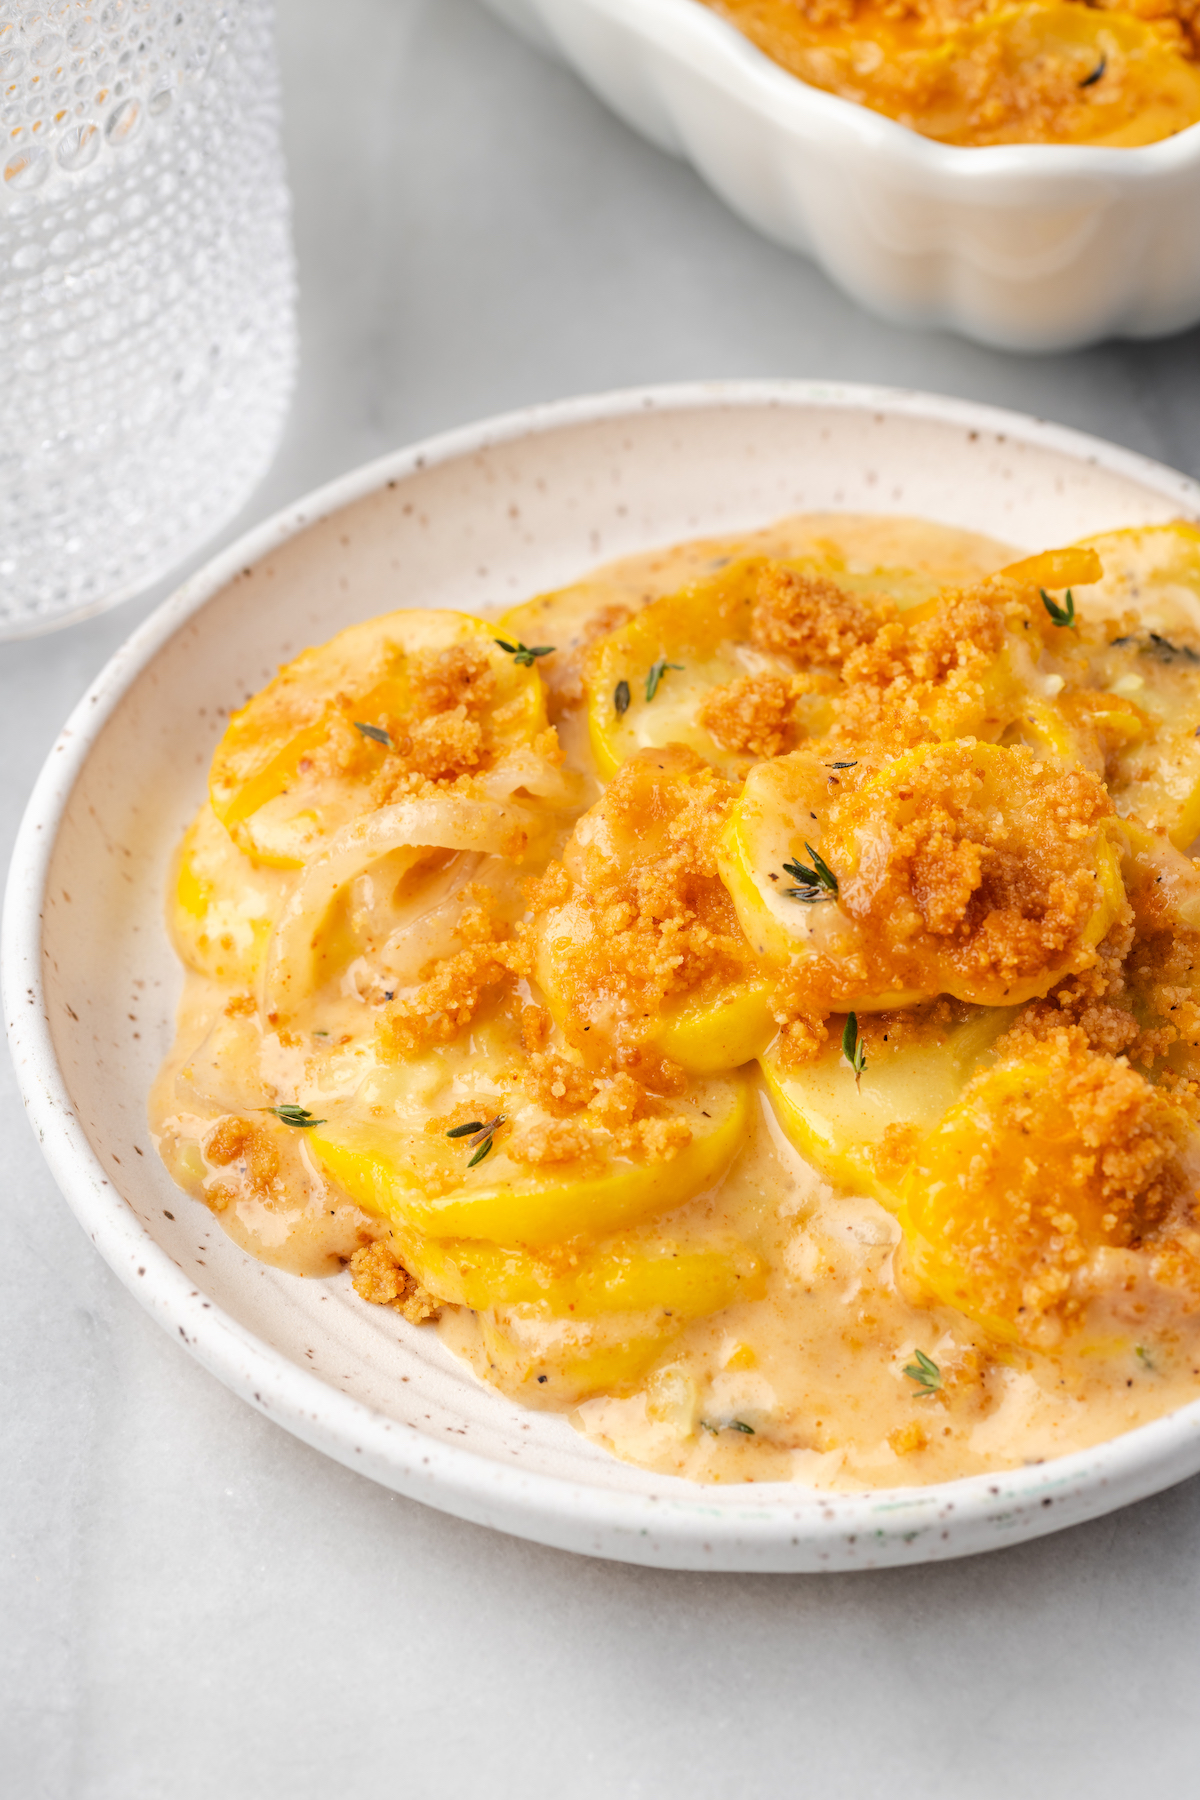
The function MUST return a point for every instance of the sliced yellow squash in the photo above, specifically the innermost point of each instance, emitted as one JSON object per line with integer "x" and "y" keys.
{"x": 644, "y": 954}
{"x": 647, "y": 682}
{"x": 400, "y": 1171}
{"x": 426, "y": 694}
{"x": 1006, "y": 1200}
{"x": 960, "y": 868}
{"x": 224, "y": 904}
{"x": 626, "y": 1274}
{"x": 860, "y": 1131}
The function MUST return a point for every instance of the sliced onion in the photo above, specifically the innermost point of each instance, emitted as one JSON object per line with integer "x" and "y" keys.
{"x": 423, "y": 930}
{"x": 440, "y": 822}
{"x": 535, "y": 774}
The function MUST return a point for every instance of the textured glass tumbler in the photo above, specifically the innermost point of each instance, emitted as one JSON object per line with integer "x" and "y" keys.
{"x": 147, "y": 291}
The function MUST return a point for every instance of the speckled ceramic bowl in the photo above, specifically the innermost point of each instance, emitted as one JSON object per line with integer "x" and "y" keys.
{"x": 481, "y": 517}
{"x": 1026, "y": 246}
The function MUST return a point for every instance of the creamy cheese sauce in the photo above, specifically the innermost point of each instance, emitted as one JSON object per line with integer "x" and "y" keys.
{"x": 812, "y": 1378}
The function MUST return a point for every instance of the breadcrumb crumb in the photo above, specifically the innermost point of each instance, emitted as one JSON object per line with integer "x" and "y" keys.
{"x": 381, "y": 1280}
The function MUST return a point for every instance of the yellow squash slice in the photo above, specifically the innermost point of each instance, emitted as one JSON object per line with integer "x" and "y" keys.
{"x": 747, "y": 663}
{"x": 647, "y": 1272}
{"x": 861, "y": 1131}
{"x": 1007, "y": 1200}
{"x": 412, "y": 697}
{"x": 960, "y": 868}
{"x": 648, "y": 683}
{"x": 224, "y": 904}
{"x": 401, "y": 1171}
{"x": 643, "y": 954}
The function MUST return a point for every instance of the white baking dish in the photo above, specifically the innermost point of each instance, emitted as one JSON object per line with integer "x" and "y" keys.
{"x": 1025, "y": 246}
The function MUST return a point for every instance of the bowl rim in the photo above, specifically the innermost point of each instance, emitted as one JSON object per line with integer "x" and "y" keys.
{"x": 788, "y": 98}
{"x": 688, "y": 1524}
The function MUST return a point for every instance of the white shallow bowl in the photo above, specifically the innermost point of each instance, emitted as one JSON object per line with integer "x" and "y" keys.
{"x": 481, "y": 517}
{"x": 1024, "y": 246}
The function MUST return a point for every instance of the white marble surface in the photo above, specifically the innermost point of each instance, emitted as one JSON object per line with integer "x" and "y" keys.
{"x": 191, "y": 1603}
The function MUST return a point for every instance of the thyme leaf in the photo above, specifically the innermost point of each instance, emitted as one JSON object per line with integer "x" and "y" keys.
{"x": 621, "y": 698}
{"x": 657, "y": 671}
{"x": 824, "y": 873}
{"x": 853, "y": 1048}
{"x": 1061, "y": 615}
{"x": 817, "y": 883}
{"x": 375, "y": 732}
{"x": 843, "y": 765}
{"x": 299, "y": 1116}
{"x": 740, "y": 1425}
{"x": 925, "y": 1372}
{"x": 1097, "y": 72}
{"x": 481, "y": 1135}
{"x": 522, "y": 655}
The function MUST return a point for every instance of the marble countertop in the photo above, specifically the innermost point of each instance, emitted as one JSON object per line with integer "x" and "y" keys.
{"x": 191, "y": 1602}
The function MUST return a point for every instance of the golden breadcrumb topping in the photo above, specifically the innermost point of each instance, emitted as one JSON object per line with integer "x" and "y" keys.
{"x": 926, "y": 675}
{"x": 382, "y": 1281}
{"x": 456, "y": 987}
{"x": 755, "y": 715}
{"x": 810, "y": 619}
{"x": 250, "y": 1154}
{"x": 907, "y": 1439}
{"x": 1069, "y": 1150}
{"x": 651, "y": 917}
{"x": 552, "y": 1141}
{"x": 951, "y": 878}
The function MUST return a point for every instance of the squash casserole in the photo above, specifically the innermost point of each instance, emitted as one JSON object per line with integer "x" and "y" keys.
{"x": 747, "y": 1001}
{"x": 974, "y": 72}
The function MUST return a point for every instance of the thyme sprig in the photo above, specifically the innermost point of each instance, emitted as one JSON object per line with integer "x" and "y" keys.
{"x": 1061, "y": 615}
{"x": 479, "y": 1135}
{"x": 925, "y": 1372}
{"x": 621, "y": 698}
{"x": 657, "y": 671}
{"x": 853, "y": 1048}
{"x": 817, "y": 883}
{"x": 522, "y": 654}
{"x": 375, "y": 732}
{"x": 299, "y": 1116}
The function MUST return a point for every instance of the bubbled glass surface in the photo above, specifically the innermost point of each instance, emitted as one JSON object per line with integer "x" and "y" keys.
{"x": 147, "y": 303}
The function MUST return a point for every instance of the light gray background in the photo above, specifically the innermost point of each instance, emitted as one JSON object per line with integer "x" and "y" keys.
{"x": 193, "y": 1604}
